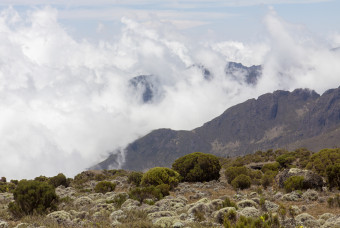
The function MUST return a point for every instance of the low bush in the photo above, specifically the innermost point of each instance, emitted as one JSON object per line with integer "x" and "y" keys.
{"x": 268, "y": 178}
{"x": 104, "y": 187}
{"x": 232, "y": 172}
{"x": 285, "y": 160}
{"x": 32, "y": 196}
{"x": 58, "y": 180}
{"x": 333, "y": 176}
{"x": 150, "y": 192}
{"x": 271, "y": 167}
{"x": 241, "y": 182}
{"x": 135, "y": 178}
{"x": 294, "y": 183}
{"x": 160, "y": 175}
{"x": 198, "y": 167}
{"x": 229, "y": 203}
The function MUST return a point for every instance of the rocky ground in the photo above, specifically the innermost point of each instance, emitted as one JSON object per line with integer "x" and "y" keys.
{"x": 188, "y": 205}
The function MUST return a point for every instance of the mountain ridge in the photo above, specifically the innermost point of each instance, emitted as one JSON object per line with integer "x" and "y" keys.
{"x": 282, "y": 119}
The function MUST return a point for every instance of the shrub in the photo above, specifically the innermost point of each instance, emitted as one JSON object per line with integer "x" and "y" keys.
{"x": 198, "y": 167}
{"x": 228, "y": 203}
{"x": 118, "y": 200}
{"x": 41, "y": 179}
{"x": 149, "y": 192}
{"x": 58, "y": 180}
{"x": 241, "y": 181}
{"x": 333, "y": 176}
{"x": 285, "y": 160}
{"x": 135, "y": 178}
{"x": 33, "y": 197}
{"x": 104, "y": 187}
{"x": 268, "y": 178}
{"x": 271, "y": 167}
{"x": 232, "y": 172}
{"x": 160, "y": 175}
{"x": 322, "y": 159}
{"x": 294, "y": 183}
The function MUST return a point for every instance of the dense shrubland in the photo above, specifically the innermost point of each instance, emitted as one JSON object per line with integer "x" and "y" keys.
{"x": 38, "y": 196}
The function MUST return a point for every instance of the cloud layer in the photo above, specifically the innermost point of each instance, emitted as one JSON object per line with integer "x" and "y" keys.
{"x": 65, "y": 104}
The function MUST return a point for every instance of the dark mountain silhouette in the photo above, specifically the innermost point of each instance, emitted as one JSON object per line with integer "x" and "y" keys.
{"x": 243, "y": 73}
{"x": 282, "y": 119}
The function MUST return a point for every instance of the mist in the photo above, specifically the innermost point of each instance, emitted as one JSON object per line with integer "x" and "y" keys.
{"x": 66, "y": 103}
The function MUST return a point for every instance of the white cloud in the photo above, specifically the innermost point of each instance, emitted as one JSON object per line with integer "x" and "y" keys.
{"x": 65, "y": 104}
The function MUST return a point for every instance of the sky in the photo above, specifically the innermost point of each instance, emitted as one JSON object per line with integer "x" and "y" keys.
{"x": 65, "y": 98}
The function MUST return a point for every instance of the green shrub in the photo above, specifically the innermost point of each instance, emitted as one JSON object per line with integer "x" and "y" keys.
{"x": 104, "y": 187}
{"x": 160, "y": 175}
{"x": 135, "y": 178}
{"x": 58, "y": 180}
{"x": 41, "y": 179}
{"x": 241, "y": 181}
{"x": 322, "y": 159}
{"x": 33, "y": 197}
{"x": 294, "y": 183}
{"x": 198, "y": 167}
{"x": 118, "y": 200}
{"x": 228, "y": 203}
{"x": 148, "y": 192}
{"x": 271, "y": 167}
{"x": 232, "y": 172}
{"x": 333, "y": 176}
{"x": 268, "y": 178}
{"x": 285, "y": 160}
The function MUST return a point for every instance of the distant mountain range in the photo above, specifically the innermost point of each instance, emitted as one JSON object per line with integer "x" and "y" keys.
{"x": 149, "y": 88}
{"x": 282, "y": 119}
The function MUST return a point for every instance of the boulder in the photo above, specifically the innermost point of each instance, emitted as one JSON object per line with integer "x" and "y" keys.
{"x": 311, "y": 179}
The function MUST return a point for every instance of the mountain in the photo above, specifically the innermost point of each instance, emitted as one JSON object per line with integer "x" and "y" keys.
{"x": 148, "y": 88}
{"x": 282, "y": 119}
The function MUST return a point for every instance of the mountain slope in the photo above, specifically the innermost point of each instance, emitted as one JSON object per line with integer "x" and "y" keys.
{"x": 275, "y": 120}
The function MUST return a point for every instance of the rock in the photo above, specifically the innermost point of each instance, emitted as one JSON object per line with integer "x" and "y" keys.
{"x": 306, "y": 220}
{"x": 311, "y": 179}
{"x": 218, "y": 216}
{"x": 270, "y": 206}
{"x": 246, "y": 203}
{"x": 250, "y": 212}
{"x": 310, "y": 195}
{"x": 333, "y": 222}
{"x": 117, "y": 215}
{"x": 83, "y": 202}
{"x": 61, "y": 217}
{"x": 293, "y": 196}
{"x": 130, "y": 204}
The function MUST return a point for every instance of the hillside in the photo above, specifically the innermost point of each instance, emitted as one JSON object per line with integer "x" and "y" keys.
{"x": 281, "y": 189}
{"x": 282, "y": 119}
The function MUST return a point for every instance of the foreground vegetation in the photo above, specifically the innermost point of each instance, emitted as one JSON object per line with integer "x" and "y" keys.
{"x": 265, "y": 189}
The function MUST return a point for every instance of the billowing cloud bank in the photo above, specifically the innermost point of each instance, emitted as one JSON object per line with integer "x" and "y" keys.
{"x": 65, "y": 104}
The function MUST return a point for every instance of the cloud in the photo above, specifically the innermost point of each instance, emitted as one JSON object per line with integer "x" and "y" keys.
{"x": 66, "y": 103}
